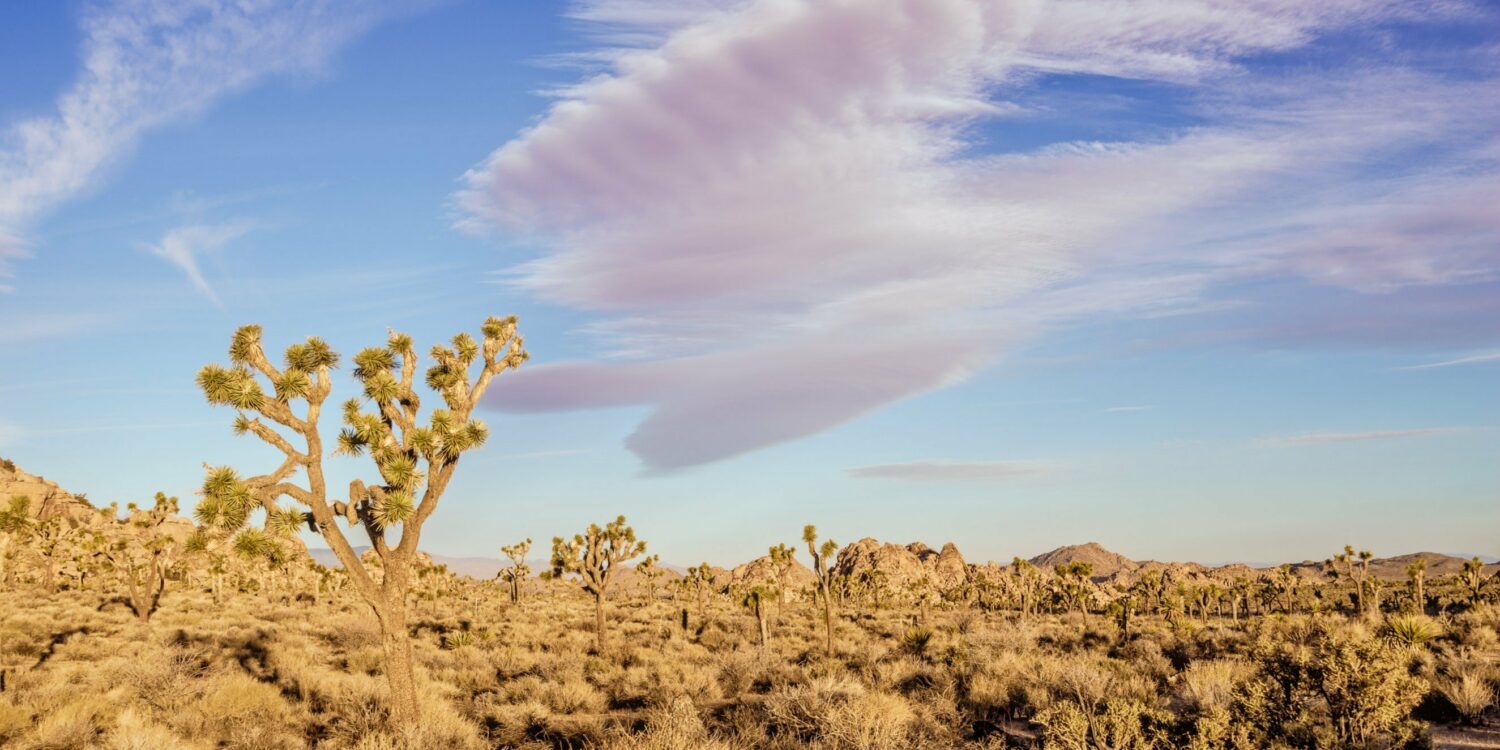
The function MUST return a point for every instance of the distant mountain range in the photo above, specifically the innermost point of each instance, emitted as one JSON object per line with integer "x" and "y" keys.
{"x": 1106, "y": 564}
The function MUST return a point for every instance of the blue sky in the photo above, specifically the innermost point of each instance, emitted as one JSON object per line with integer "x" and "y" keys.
{"x": 1191, "y": 279}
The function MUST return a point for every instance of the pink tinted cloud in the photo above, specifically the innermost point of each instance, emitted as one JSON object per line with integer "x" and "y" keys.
{"x": 779, "y": 195}
{"x": 714, "y": 406}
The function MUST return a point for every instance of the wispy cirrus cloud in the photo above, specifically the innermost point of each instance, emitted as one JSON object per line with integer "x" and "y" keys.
{"x": 1325, "y": 438}
{"x": 1472, "y": 359}
{"x": 149, "y": 63}
{"x": 774, "y": 177}
{"x": 182, "y": 246}
{"x": 945, "y": 470}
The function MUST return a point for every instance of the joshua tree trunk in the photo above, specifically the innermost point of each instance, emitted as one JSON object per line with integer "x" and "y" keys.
{"x": 760, "y": 619}
{"x": 828, "y": 620}
{"x": 599, "y": 621}
{"x": 399, "y": 671}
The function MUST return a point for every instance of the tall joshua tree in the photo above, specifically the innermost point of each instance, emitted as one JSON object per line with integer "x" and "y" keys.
{"x": 518, "y": 569}
{"x": 822, "y": 558}
{"x": 415, "y": 461}
{"x": 594, "y": 555}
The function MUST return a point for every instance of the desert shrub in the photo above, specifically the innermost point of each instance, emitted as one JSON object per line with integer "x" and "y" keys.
{"x": 133, "y": 731}
{"x": 672, "y": 725}
{"x": 1092, "y": 707}
{"x": 1469, "y": 692}
{"x": 14, "y": 720}
{"x": 239, "y": 711}
{"x": 1342, "y": 687}
{"x": 841, "y": 713}
{"x": 75, "y": 725}
{"x": 1209, "y": 685}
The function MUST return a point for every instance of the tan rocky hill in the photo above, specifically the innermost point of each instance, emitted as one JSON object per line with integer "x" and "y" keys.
{"x": 799, "y": 578}
{"x": 1106, "y": 563}
{"x": 48, "y": 499}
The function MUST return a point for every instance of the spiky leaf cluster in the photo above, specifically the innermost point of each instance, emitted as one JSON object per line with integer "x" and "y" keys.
{"x": 227, "y": 501}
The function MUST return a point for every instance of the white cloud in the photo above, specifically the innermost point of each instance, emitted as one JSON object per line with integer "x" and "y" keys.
{"x": 182, "y": 246}
{"x": 1138, "y": 407}
{"x": 944, "y": 470}
{"x": 148, "y": 63}
{"x": 1325, "y": 438}
{"x": 787, "y": 186}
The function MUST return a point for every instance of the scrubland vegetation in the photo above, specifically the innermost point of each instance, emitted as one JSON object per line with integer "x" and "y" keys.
{"x": 275, "y": 665}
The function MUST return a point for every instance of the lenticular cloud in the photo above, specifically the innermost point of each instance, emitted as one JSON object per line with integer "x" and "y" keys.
{"x": 778, "y": 216}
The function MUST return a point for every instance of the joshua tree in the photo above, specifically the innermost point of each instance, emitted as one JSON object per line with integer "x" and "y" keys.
{"x": 141, "y": 553}
{"x": 594, "y": 555}
{"x": 755, "y": 599}
{"x": 415, "y": 462}
{"x": 782, "y": 559}
{"x": 15, "y": 525}
{"x": 1353, "y": 567}
{"x": 1072, "y": 581}
{"x": 1287, "y": 581}
{"x": 822, "y": 558}
{"x": 649, "y": 568}
{"x": 1028, "y": 583}
{"x": 518, "y": 569}
{"x": 1416, "y": 575}
{"x": 700, "y": 578}
{"x": 1472, "y": 579}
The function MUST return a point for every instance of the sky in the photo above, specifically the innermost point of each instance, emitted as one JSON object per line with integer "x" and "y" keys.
{"x": 1194, "y": 279}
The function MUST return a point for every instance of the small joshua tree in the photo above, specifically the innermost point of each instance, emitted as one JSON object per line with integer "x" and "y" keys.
{"x": 755, "y": 599}
{"x": 1353, "y": 567}
{"x": 822, "y": 558}
{"x": 1472, "y": 579}
{"x": 650, "y": 570}
{"x": 594, "y": 555}
{"x": 137, "y": 549}
{"x": 1028, "y": 585}
{"x": 415, "y": 461}
{"x": 1416, "y": 575}
{"x": 782, "y": 559}
{"x": 518, "y": 569}
{"x": 700, "y": 578}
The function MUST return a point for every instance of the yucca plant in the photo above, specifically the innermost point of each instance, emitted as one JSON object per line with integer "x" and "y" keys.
{"x": 594, "y": 555}
{"x": 414, "y": 461}
{"x": 917, "y": 639}
{"x": 1412, "y": 629}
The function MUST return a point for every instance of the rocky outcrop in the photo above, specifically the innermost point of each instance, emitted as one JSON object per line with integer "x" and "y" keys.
{"x": 761, "y": 571}
{"x": 898, "y": 568}
{"x": 48, "y": 499}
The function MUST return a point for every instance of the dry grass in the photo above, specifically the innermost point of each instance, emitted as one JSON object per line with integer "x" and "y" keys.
{"x": 255, "y": 675}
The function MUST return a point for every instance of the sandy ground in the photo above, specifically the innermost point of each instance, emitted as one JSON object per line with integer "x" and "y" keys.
{"x": 1466, "y": 738}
